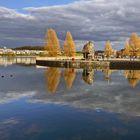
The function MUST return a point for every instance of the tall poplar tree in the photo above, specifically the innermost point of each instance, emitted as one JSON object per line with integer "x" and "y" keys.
{"x": 69, "y": 45}
{"x": 127, "y": 49}
{"x": 52, "y": 44}
{"x": 134, "y": 43}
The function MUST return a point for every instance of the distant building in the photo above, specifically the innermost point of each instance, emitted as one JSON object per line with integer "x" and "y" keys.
{"x": 6, "y": 51}
{"x": 1, "y": 51}
{"x": 88, "y": 50}
{"x": 99, "y": 54}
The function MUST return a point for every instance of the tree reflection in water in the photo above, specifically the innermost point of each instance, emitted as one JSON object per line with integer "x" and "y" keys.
{"x": 107, "y": 74}
{"x": 88, "y": 75}
{"x": 53, "y": 78}
{"x": 69, "y": 76}
{"x": 133, "y": 77}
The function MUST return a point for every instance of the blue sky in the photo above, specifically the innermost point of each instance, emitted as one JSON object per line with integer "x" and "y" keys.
{"x": 19, "y": 4}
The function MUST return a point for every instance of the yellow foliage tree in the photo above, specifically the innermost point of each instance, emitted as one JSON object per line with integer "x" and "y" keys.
{"x": 127, "y": 49}
{"x": 134, "y": 43}
{"x": 52, "y": 44}
{"x": 69, "y": 45}
{"x": 108, "y": 49}
{"x": 139, "y": 48}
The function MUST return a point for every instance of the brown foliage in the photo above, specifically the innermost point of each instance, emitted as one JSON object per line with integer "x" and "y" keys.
{"x": 127, "y": 49}
{"x": 52, "y": 44}
{"x": 134, "y": 43}
{"x": 88, "y": 47}
{"x": 69, "y": 46}
{"x": 108, "y": 49}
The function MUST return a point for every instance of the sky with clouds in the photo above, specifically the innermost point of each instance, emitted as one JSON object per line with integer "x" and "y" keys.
{"x": 25, "y": 22}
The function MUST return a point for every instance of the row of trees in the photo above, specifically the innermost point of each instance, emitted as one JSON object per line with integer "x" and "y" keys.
{"x": 131, "y": 49}
{"x": 52, "y": 44}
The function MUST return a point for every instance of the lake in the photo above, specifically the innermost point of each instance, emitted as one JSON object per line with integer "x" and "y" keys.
{"x": 67, "y": 104}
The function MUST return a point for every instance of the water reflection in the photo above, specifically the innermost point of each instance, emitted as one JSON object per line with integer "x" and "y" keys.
{"x": 53, "y": 76}
{"x": 88, "y": 76}
{"x": 107, "y": 74}
{"x": 133, "y": 77}
{"x": 82, "y": 88}
{"x": 21, "y": 60}
{"x": 87, "y": 110}
{"x": 69, "y": 76}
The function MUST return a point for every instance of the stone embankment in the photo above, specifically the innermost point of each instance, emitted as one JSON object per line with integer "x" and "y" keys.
{"x": 78, "y": 62}
{"x": 72, "y": 63}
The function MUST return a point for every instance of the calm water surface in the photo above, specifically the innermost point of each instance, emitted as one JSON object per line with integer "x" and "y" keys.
{"x": 68, "y": 104}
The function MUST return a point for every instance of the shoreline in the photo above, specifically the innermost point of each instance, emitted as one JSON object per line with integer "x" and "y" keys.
{"x": 79, "y": 63}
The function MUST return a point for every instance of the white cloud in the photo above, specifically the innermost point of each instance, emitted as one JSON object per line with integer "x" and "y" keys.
{"x": 97, "y": 20}
{"x": 11, "y": 96}
{"x": 12, "y": 14}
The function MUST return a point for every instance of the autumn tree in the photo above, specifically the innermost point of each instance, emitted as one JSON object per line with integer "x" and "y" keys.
{"x": 88, "y": 49}
{"x": 69, "y": 46}
{"x": 134, "y": 43}
{"x": 108, "y": 49}
{"x": 127, "y": 49}
{"x": 52, "y": 45}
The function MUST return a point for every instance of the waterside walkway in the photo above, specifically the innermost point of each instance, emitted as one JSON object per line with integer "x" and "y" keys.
{"x": 97, "y": 64}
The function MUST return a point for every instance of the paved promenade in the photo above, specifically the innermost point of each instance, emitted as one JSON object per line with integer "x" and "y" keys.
{"x": 78, "y": 62}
